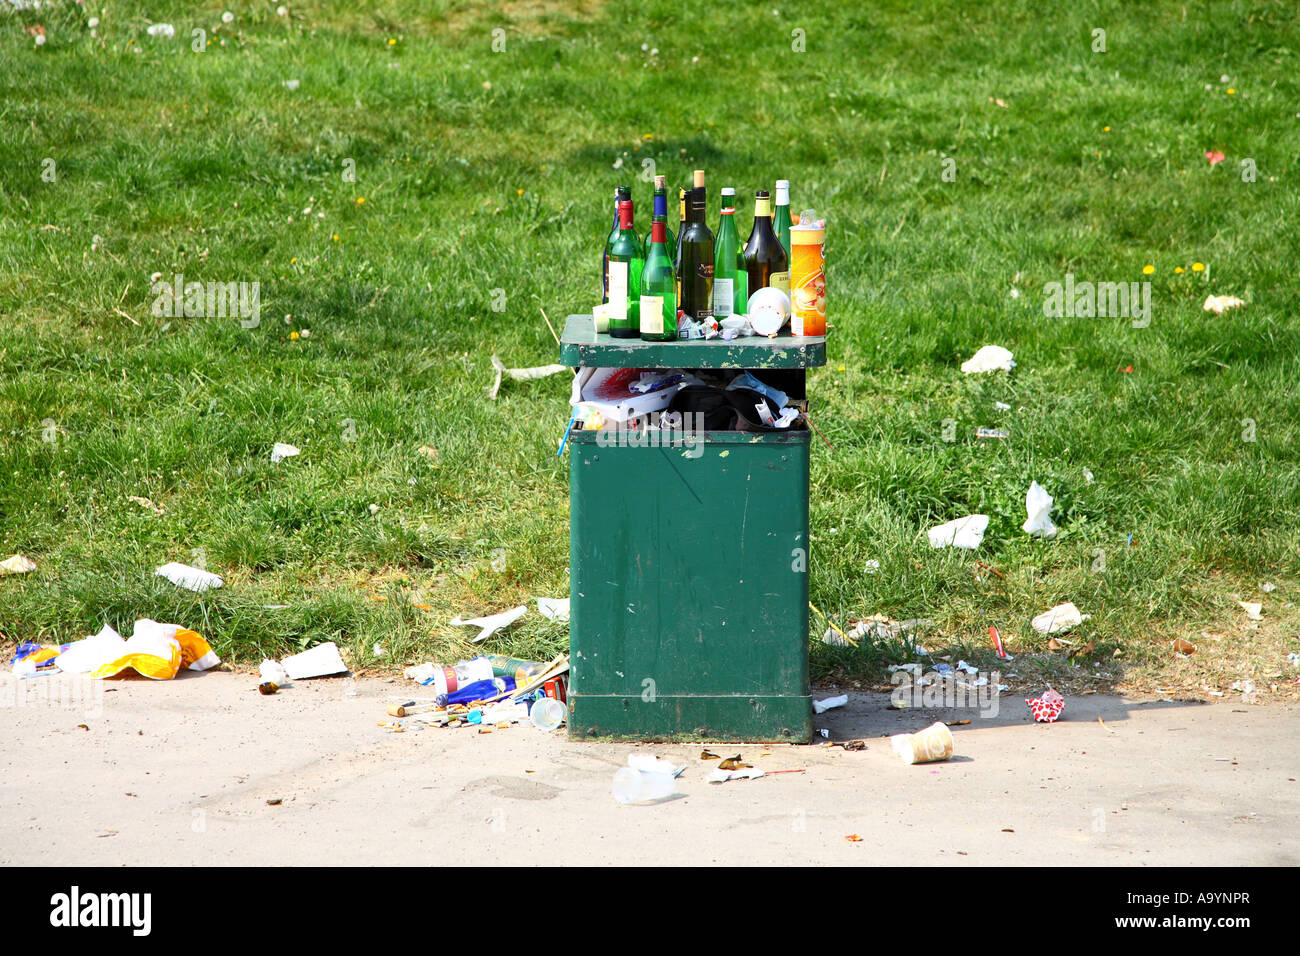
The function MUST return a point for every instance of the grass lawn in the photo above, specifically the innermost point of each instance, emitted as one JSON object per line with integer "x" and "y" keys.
{"x": 964, "y": 155}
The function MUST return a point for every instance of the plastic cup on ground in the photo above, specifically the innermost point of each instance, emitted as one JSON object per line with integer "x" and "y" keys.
{"x": 547, "y": 713}
{"x": 637, "y": 786}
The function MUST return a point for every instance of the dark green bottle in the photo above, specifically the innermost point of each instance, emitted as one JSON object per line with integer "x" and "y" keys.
{"x": 695, "y": 271}
{"x": 620, "y": 194}
{"x": 625, "y": 264}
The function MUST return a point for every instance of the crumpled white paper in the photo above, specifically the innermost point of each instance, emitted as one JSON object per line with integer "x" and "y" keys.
{"x": 1058, "y": 620}
{"x": 965, "y": 532}
{"x": 1218, "y": 304}
{"x": 821, "y": 706}
{"x": 492, "y": 623}
{"x": 1038, "y": 507}
{"x": 554, "y": 609}
{"x": 990, "y": 358}
{"x": 281, "y": 451}
{"x": 182, "y": 575}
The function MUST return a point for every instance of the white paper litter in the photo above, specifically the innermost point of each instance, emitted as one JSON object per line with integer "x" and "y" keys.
{"x": 553, "y": 609}
{"x": 990, "y": 358}
{"x": 281, "y": 451}
{"x": 1002, "y": 406}
{"x": 1058, "y": 620}
{"x": 84, "y": 656}
{"x": 274, "y": 672}
{"x": 965, "y": 532}
{"x": 492, "y": 623}
{"x": 1254, "y": 610}
{"x": 1218, "y": 304}
{"x": 161, "y": 30}
{"x": 520, "y": 374}
{"x": 18, "y": 564}
{"x": 184, "y": 576}
{"x": 323, "y": 660}
{"x": 1038, "y": 507}
{"x": 821, "y": 706}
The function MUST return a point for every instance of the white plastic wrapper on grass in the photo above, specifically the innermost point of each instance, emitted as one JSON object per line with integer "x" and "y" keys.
{"x": 492, "y": 623}
{"x": 184, "y": 576}
{"x": 553, "y": 609}
{"x": 281, "y": 451}
{"x": 965, "y": 532}
{"x": 990, "y": 358}
{"x": 1058, "y": 620}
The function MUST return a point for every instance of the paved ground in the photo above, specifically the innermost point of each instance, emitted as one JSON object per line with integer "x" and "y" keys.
{"x": 181, "y": 772}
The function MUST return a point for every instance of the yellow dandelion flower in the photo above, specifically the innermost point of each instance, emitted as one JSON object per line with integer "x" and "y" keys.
{"x": 293, "y": 336}
{"x": 1198, "y": 266}
{"x": 392, "y": 42}
{"x": 293, "y": 260}
{"x": 1148, "y": 269}
{"x": 1105, "y": 129}
{"x": 1179, "y": 270}
{"x": 361, "y": 200}
{"x": 1231, "y": 91}
{"x": 519, "y": 192}
{"x": 841, "y": 368}
{"x": 335, "y": 237}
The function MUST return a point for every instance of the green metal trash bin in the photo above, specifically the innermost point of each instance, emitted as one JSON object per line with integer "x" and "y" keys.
{"x": 688, "y": 565}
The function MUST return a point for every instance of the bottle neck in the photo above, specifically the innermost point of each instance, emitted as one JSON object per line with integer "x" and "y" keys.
{"x": 625, "y": 215}
{"x": 658, "y": 231}
{"x": 661, "y": 203}
{"x": 762, "y": 208}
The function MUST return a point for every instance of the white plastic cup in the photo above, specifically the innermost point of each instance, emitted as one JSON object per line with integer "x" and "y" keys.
{"x": 637, "y": 786}
{"x": 547, "y": 713}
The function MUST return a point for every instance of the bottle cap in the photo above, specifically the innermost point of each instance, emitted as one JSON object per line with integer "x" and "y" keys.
{"x": 661, "y": 182}
{"x": 728, "y": 191}
{"x": 699, "y": 179}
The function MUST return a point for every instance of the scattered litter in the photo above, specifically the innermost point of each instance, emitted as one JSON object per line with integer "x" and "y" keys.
{"x": 1038, "y": 507}
{"x": 1000, "y": 433}
{"x": 927, "y": 746}
{"x": 722, "y": 776}
{"x": 492, "y": 623}
{"x": 872, "y": 566}
{"x": 990, "y": 358}
{"x": 1186, "y": 648}
{"x": 821, "y": 706}
{"x": 965, "y": 532}
{"x": 154, "y": 650}
{"x": 323, "y": 660}
{"x": 184, "y": 576}
{"x": 273, "y": 672}
{"x": 1060, "y": 619}
{"x": 379, "y": 650}
{"x": 428, "y": 451}
{"x": 854, "y": 745}
{"x": 162, "y": 30}
{"x": 632, "y": 784}
{"x": 1218, "y": 304}
{"x": 1268, "y": 587}
{"x": 1002, "y": 406}
{"x": 281, "y": 450}
{"x": 1048, "y": 707}
{"x": 649, "y": 763}
{"x": 1214, "y": 156}
{"x": 853, "y": 838}
{"x": 291, "y": 85}
{"x": 18, "y": 564}
{"x": 1088, "y": 476}
{"x": 823, "y": 733}
{"x": 146, "y": 503}
{"x": 553, "y": 609}
{"x": 1254, "y": 610}
{"x": 520, "y": 374}
{"x": 267, "y": 688}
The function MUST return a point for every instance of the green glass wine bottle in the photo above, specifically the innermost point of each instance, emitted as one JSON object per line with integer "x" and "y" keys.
{"x": 766, "y": 261}
{"x": 621, "y": 193}
{"x": 730, "y": 277}
{"x": 781, "y": 215}
{"x": 625, "y": 265}
{"x": 695, "y": 271}
{"x": 660, "y": 208}
{"x": 658, "y": 318}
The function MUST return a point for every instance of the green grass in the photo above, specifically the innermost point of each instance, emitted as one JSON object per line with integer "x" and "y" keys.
{"x": 482, "y": 170}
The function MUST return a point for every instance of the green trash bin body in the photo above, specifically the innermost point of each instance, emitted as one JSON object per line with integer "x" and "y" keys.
{"x": 689, "y": 569}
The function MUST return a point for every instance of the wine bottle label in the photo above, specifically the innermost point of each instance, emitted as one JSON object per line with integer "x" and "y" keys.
{"x": 778, "y": 280}
{"x": 618, "y": 290}
{"x": 723, "y": 297}
{"x": 652, "y": 314}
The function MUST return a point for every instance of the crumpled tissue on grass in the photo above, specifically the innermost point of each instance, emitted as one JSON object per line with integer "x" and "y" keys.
{"x": 990, "y": 358}
{"x": 965, "y": 532}
{"x": 1218, "y": 304}
{"x": 1038, "y": 507}
{"x": 185, "y": 576}
{"x": 1058, "y": 620}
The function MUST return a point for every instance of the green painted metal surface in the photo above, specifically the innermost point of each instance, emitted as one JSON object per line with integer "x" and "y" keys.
{"x": 581, "y": 345}
{"x": 689, "y": 587}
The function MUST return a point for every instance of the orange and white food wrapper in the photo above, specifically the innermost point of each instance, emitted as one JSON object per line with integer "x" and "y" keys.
{"x": 155, "y": 650}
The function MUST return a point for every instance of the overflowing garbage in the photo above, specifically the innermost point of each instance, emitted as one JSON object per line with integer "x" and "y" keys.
{"x": 491, "y": 692}
{"x": 154, "y": 650}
